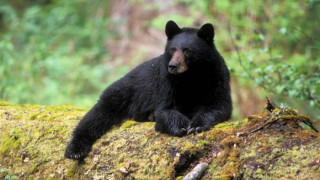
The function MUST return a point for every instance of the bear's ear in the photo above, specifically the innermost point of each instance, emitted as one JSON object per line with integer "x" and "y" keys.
{"x": 172, "y": 29}
{"x": 206, "y": 32}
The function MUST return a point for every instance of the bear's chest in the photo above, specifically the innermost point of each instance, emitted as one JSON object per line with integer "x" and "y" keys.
{"x": 189, "y": 95}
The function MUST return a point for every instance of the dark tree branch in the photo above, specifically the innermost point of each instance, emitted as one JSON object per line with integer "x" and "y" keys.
{"x": 270, "y": 105}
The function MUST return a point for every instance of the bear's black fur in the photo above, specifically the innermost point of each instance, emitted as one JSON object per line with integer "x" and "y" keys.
{"x": 185, "y": 90}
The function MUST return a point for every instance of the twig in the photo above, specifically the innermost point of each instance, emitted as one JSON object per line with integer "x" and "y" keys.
{"x": 257, "y": 128}
{"x": 197, "y": 172}
{"x": 306, "y": 120}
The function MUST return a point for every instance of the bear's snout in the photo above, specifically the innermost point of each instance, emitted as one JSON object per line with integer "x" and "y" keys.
{"x": 177, "y": 63}
{"x": 173, "y": 67}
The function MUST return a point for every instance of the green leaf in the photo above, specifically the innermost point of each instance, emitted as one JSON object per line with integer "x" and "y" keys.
{"x": 263, "y": 67}
{"x": 280, "y": 88}
{"x": 313, "y": 103}
{"x": 261, "y": 36}
{"x": 283, "y": 30}
{"x": 293, "y": 93}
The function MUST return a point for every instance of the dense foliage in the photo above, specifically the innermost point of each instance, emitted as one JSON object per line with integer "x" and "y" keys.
{"x": 49, "y": 52}
{"x": 54, "y": 51}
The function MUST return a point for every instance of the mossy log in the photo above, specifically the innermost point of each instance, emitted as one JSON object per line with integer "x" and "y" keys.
{"x": 33, "y": 139}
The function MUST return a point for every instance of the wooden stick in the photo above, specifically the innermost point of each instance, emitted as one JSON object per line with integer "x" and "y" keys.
{"x": 197, "y": 172}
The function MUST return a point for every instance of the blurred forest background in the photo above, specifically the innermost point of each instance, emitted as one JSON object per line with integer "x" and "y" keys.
{"x": 69, "y": 51}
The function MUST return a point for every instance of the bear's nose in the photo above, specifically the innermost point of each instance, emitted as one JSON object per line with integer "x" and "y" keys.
{"x": 173, "y": 67}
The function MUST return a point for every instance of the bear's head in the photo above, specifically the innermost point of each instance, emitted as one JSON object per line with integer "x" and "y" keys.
{"x": 187, "y": 46}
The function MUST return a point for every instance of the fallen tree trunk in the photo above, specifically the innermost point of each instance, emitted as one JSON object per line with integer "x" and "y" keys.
{"x": 33, "y": 139}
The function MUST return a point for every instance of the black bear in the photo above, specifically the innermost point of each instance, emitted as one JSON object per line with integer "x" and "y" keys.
{"x": 185, "y": 90}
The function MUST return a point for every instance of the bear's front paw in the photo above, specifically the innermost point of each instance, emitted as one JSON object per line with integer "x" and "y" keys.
{"x": 180, "y": 127}
{"x": 77, "y": 150}
{"x": 197, "y": 126}
{"x": 178, "y": 132}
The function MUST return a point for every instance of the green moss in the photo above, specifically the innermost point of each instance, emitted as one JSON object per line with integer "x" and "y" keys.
{"x": 121, "y": 164}
{"x": 33, "y": 146}
{"x": 33, "y": 116}
{"x": 245, "y": 120}
{"x": 4, "y": 103}
{"x": 43, "y": 117}
{"x": 8, "y": 144}
{"x": 12, "y": 141}
{"x": 202, "y": 143}
{"x": 179, "y": 178}
{"x": 291, "y": 111}
{"x": 232, "y": 165}
{"x": 231, "y": 124}
{"x": 16, "y": 116}
{"x": 71, "y": 171}
{"x": 128, "y": 124}
{"x": 34, "y": 167}
{"x": 222, "y": 126}
{"x": 251, "y": 154}
{"x": 187, "y": 145}
{"x": 276, "y": 111}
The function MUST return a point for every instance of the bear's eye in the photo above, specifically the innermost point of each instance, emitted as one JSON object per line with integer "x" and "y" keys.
{"x": 186, "y": 51}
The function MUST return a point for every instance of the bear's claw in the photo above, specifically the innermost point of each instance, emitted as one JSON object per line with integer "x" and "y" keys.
{"x": 77, "y": 151}
{"x": 195, "y": 130}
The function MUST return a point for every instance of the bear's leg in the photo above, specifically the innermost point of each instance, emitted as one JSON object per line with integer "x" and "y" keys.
{"x": 171, "y": 122}
{"x": 93, "y": 125}
{"x": 206, "y": 118}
